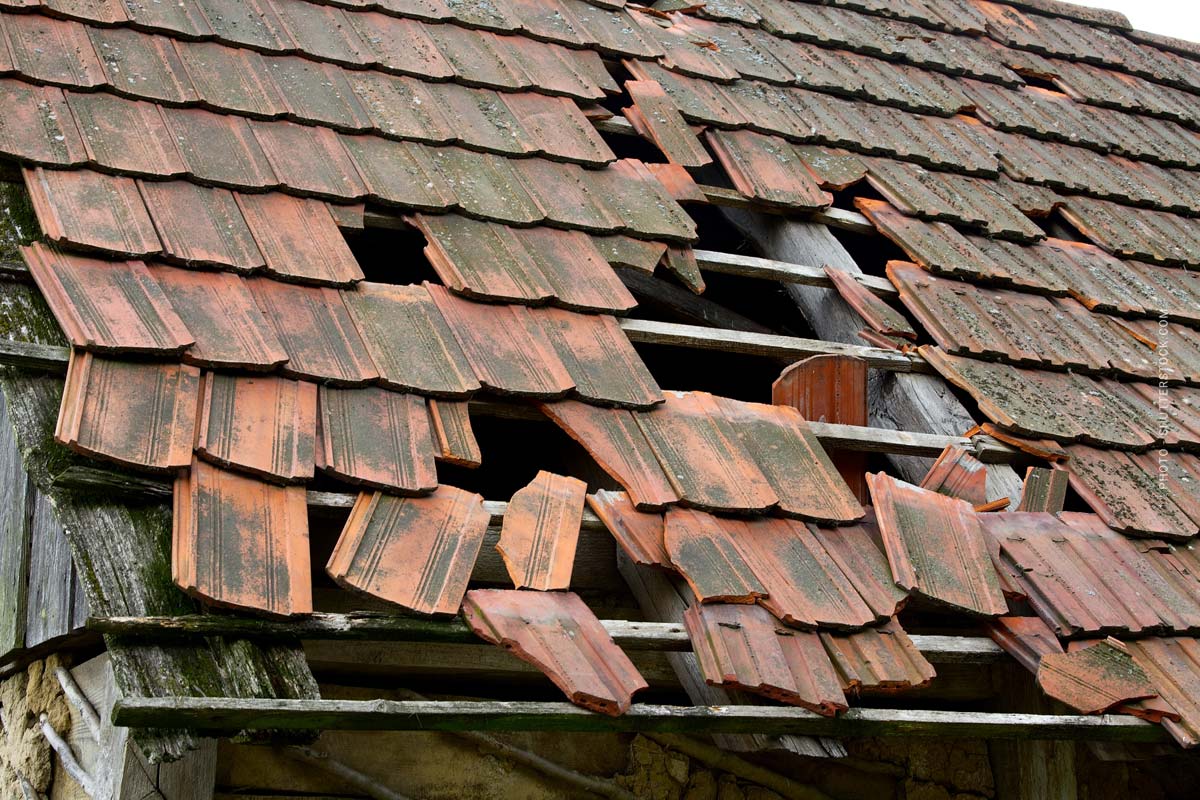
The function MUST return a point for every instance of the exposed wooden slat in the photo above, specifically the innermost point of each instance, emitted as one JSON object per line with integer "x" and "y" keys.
{"x": 214, "y": 713}
{"x": 768, "y": 269}
{"x": 44, "y": 357}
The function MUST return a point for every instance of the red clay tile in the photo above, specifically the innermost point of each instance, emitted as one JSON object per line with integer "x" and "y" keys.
{"x": 318, "y": 93}
{"x": 400, "y": 45}
{"x": 200, "y": 226}
{"x": 416, "y": 552}
{"x": 482, "y": 119}
{"x": 317, "y": 332}
{"x": 299, "y": 239}
{"x": 1026, "y": 639}
{"x": 505, "y": 346}
{"x": 638, "y": 533}
{"x": 936, "y": 546}
{"x": 853, "y": 549}
{"x": 876, "y": 313}
{"x": 263, "y": 425}
{"x": 1095, "y": 679}
{"x": 107, "y": 306}
{"x": 378, "y": 438}
{"x": 767, "y": 169}
{"x": 880, "y": 658}
{"x": 1133, "y": 492}
{"x": 1173, "y": 666}
{"x": 482, "y": 184}
{"x": 558, "y": 634}
{"x": 599, "y": 358}
{"x": 127, "y": 135}
{"x": 38, "y": 125}
{"x": 833, "y": 169}
{"x": 309, "y": 160}
{"x": 1044, "y": 490}
{"x": 92, "y": 210}
{"x": 641, "y": 201}
{"x": 958, "y": 473}
{"x": 232, "y": 78}
{"x": 52, "y": 50}
{"x": 679, "y": 184}
{"x": 566, "y": 195}
{"x": 541, "y": 530}
{"x": 745, "y": 647}
{"x": 1144, "y": 234}
{"x": 138, "y": 414}
{"x": 479, "y": 58}
{"x": 146, "y": 66}
{"x": 323, "y": 32}
{"x": 625, "y": 251}
{"x": 705, "y": 550}
{"x": 398, "y": 174}
{"x": 241, "y": 543}
{"x": 252, "y": 23}
{"x": 348, "y": 217}
{"x": 186, "y": 19}
{"x": 219, "y": 148}
{"x": 409, "y": 340}
{"x": 402, "y": 107}
{"x": 453, "y": 437}
{"x": 655, "y": 117}
{"x": 613, "y": 438}
{"x": 556, "y": 127}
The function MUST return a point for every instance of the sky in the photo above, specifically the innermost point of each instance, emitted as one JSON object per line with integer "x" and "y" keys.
{"x": 1178, "y": 18}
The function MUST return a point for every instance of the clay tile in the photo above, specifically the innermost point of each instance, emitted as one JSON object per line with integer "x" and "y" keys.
{"x": 1044, "y": 490}
{"x": 625, "y": 251}
{"x": 401, "y": 45}
{"x": 138, "y": 414}
{"x": 377, "y": 437}
{"x": 853, "y": 549}
{"x": 639, "y": 534}
{"x": 148, "y": 66}
{"x": 558, "y": 634}
{"x": 880, "y": 658}
{"x": 454, "y": 439}
{"x": 200, "y": 226}
{"x": 704, "y": 548}
{"x": 309, "y": 160}
{"x": 1026, "y": 639}
{"x": 92, "y": 210}
{"x": 957, "y": 473}
{"x": 38, "y": 125}
{"x": 299, "y": 239}
{"x": 767, "y": 169}
{"x": 657, "y": 118}
{"x": 127, "y": 135}
{"x": 241, "y": 543}
{"x": 261, "y": 424}
{"x": 397, "y": 173}
{"x": 323, "y": 32}
{"x": 681, "y": 261}
{"x": 232, "y": 78}
{"x": 540, "y": 531}
{"x": 1173, "y": 667}
{"x": 52, "y": 50}
{"x": 107, "y": 306}
{"x": 219, "y": 148}
{"x": 1095, "y": 679}
{"x": 416, "y": 552}
{"x": 876, "y": 313}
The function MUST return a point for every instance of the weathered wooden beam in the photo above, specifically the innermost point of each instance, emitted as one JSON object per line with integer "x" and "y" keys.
{"x": 782, "y": 271}
{"x": 673, "y": 301}
{"x": 43, "y": 357}
{"x": 761, "y": 344}
{"x": 221, "y": 713}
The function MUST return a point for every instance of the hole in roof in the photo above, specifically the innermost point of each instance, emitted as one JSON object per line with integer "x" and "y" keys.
{"x": 1040, "y": 82}
{"x": 394, "y": 256}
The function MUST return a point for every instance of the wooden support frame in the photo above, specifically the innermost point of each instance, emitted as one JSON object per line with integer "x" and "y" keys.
{"x": 783, "y": 272}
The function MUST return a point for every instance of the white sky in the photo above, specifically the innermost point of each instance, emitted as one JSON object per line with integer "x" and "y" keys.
{"x": 1178, "y": 18}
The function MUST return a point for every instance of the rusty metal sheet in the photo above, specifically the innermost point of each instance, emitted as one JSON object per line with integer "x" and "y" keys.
{"x": 1027, "y": 639}
{"x": 299, "y": 239}
{"x": 1173, "y": 666}
{"x": 1155, "y": 236}
{"x": 614, "y": 439}
{"x": 241, "y": 543}
{"x": 505, "y": 346}
{"x": 218, "y": 309}
{"x": 853, "y": 549}
{"x": 39, "y": 126}
{"x": 317, "y": 332}
{"x": 409, "y": 340}
{"x": 261, "y": 424}
{"x": 874, "y": 311}
{"x": 599, "y": 358}
{"x": 1095, "y": 679}
{"x": 219, "y": 148}
{"x": 958, "y": 473}
{"x": 92, "y": 210}
{"x": 127, "y": 135}
{"x": 309, "y": 160}
{"x": 137, "y": 414}
{"x": 415, "y": 552}
{"x": 378, "y": 438}
{"x": 1044, "y": 490}
{"x": 540, "y": 532}
{"x": 655, "y": 117}
{"x": 558, "y": 634}
{"x": 451, "y": 427}
{"x": 640, "y": 534}
{"x": 936, "y": 546}
{"x": 705, "y": 549}
{"x": 791, "y": 459}
{"x": 744, "y": 647}
{"x": 767, "y": 169}
{"x": 200, "y": 226}
{"x": 1148, "y": 494}
{"x": 107, "y": 306}
{"x": 878, "y": 658}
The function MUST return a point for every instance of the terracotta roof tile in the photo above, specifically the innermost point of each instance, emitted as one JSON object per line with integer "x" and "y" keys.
{"x": 252, "y": 23}
{"x": 322, "y": 31}
{"x": 377, "y": 438}
{"x": 559, "y": 635}
{"x": 655, "y": 117}
{"x": 681, "y": 261}
{"x": 416, "y": 552}
{"x": 452, "y": 432}
{"x": 309, "y": 160}
{"x": 52, "y": 50}
{"x": 598, "y": 356}
{"x": 299, "y": 239}
{"x": 200, "y": 226}
{"x": 318, "y": 93}
{"x": 1154, "y": 236}
{"x": 105, "y": 306}
{"x": 187, "y": 19}
{"x": 1026, "y": 639}
{"x": 874, "y": 311}
{"x": 232, "y": 78}
{"x": 745, "y": 647}
{"x": 479, "y": 58}
{"x": 878, "y": 658}
{"x": 1138, "y": 493}
{"x": 482, "y": 185}
{"x": 958, "y": 473}
{"x": 401, "y": 45}
{"x": 145, "y": 66}
{"x": 261, "y": 424}
{"x": 540, "y": 532}
{"x": 936, "y": 546}
{"x": 138, "y": 414}
{"x": 128, "y": 135}
{"x": 403, "y": 107}
{"x": 219, "y": 310}
{"x": 317, "y": 332}
{"x": 853, "y": 549}
{"x": 705, "y": 550}
{"x": 1095, "y": 679}
{"x": 39, "y": 125}
{"x": 767, "y": 169}
{"x": 398, "y": 173}
{"x": 1173, "y": 667}
{"x": 638, "y": 533}
{"x": 641, "y": 201}
{"x": 241, "y": 543}
{"x": 92, "y": 210}
{"x": 1043, "y": 490}
{"x": 625, "y": 251}
{"x": 219, "y": 148}
{"x": 568, "y": 196}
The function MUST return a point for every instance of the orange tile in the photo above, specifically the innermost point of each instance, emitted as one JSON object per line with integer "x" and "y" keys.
{"x": 541, "y": 530}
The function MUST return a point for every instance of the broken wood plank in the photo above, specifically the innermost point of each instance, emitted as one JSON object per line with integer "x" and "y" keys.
{"x": 782, "y": 271}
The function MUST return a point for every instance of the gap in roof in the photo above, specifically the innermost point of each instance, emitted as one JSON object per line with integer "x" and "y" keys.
{"x": 394, "y": 256}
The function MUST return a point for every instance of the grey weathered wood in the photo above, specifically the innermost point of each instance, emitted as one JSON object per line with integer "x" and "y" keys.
{"x": 43, "y": 357}
{"x": 658, "y": 295}
{"x": 761, "y": 344}
{"x": 54, "y": 591}
{"x": 221, "y": 713}
{"x": 16, "y": 493}
{"x": 1031, "y": 770}
{"x": 781, "y": 271}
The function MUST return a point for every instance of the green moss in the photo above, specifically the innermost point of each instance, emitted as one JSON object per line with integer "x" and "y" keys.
{"x": 18, "y": 223}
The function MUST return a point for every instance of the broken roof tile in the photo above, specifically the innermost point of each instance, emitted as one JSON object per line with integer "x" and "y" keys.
{"x": 1095, "y": 679}
{"x": 744, "y": 647}
{"x": 138, "y": 414}
{"x": 655, "y": 117}
{"x": 881, "y": 658}
{"x": 540, "y": 532}
{"x": 681, "y": 261}
{"x": 38, "y": 125}
{"x": 200, "y": 226}
{"x": 416, "y": 552}
{"x": 262, "y": 424}
{"x": 936, "y": 546}
{"x": 409, "y": 340}
{"x": 505, "y": 346}
{"x": 452, "y": 432}
{"x": 317, "y": 332}
{"x": 219, "y": 148}
{"x": 874, "y": 311}
{"x": 704, "y": 549}
{"x": 958, "y": 473}
{"x": 557, "y": 128}
{"x": 558, "y": 634}
{"x": 853, "y": 549}
{"x": 640, "y": 534}
{"x": 1173, "y": 666}
{"x": 625, "y": 251}
{"x": 299, "y": 239}
{"x": 52, "y": 50}
{"x": 1026, "y": 639}
{"x": 482, "y": 184}
{"x": 92, "y": 210}
{"x": 1044, "y": 490}
{"x": 767, "y": 169}
{"x": 220, "y": 312}
{"x": 309, "y": 160}
{"x": 128, "y": 135}
{"x": 1137, "y": 493}
{"x": 378, "y": 438}
{"x": 146, "y": 66}
{"x": 107, "y": 306}
{"x": 241, "y": 543}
